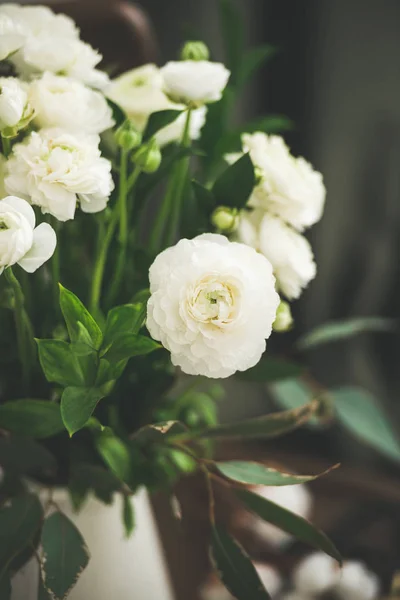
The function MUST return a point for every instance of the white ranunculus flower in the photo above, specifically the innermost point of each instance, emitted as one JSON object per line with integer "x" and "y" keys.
{"x": 139, "y": 93}
{"x": 287, "y": 250}
{"x": 13, "y": 102}
{"x": 54, "y": 170}
{"x": 194, "y": 82}
{"x": 212, "y": 305}
{"x": 20, "y": 241}
{"x": 11, "y": 36}
{"x": 316, "y": 574}
{"x": 355, "y": 582}
{"x": 69, "y": 104}
{"x": 289, "y": 187}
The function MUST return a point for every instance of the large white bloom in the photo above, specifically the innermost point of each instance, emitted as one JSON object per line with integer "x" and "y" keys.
{"x": 212, "y": 305}
{"x": 139, "y": 93}
{"x": 287, "y": 250}
{"x": 20, "y": 241}
{"x": 69, "y": 104}
{"x": 13, "y": 102}
{"x": 11, "y": 36}
{"x": 289, "y": 187}
{"x": 55, "y": 170}
{"x": 194, "y": 82}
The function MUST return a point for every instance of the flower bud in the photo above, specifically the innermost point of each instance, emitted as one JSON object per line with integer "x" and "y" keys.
{"x": 195, "y": 51}
{"x": 148, "y": 157}
{"x": 127, "y": 136}
{"x": 225, "y": 219}
{"x": 283, "y": 320}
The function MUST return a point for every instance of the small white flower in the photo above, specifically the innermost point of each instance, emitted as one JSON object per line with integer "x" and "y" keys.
{"x": 212, "y": 305}
{"x": 357, "y": 583}
{"x": 55, "y": 170}
{"x": 13, "y": 102}
{"x": 139, "y": 93}
{"x": 289, "y": 187}
{"x": 316, "y": 574}
{"x": 287, "y": 250}
{"x": 20, "y": 241}
{"x": 194, "y": 82}
{"x": 11, "y": 36}
{"x": 69, "y": 104}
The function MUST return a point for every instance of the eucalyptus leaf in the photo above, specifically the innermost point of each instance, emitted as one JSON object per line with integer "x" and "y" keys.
{"x": 65, "y": 555}
{"x": 158, "y": 120}
{"x": 363, "y": 416}
{"x": 74, "y": 312}
{"x": 234, "y": 186}
{"x": 128, "y": 515}
{"x": 340, "y": 330}
{"x": 257, "y": 474}
{"x": 59, "y": 363}
{"x": 235, "y": 568}
{"x": 272, "y": 369}
{"x": 77, "y": 406}
{"x": 287, "y": 521}
{"x": 127, "y": 345}
{"x": 36, "y": 418}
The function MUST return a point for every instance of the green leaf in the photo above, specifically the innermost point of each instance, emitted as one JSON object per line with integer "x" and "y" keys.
{"x": 235, "y": 568}
{"x": 65, "y": 555}
{"x": 74, "y": 312}
{"x": 271, "y": 369}
{"x": 20, "y": 520}
{"x": 361, "y": 414}
{"x": 232, "y": 27}
{"x": 115, "y": 454}
{"x": 59, "y": 363}
{"x": 37, "y": 418}
{"x": 234, "y": 186}
{"x": 43, "y": 594}
{"x": 204, "y": 197}
{"x": 127, "y": 345}
{"x": 22, "y": 455}
{"x": 77, "y": 406}
{"x": 159, "y": 120}
{"x": 252, "y": 60}
{"x": 128, "y": 515}
{"x": 127, "y": 318}
{"x": 119, "y": 115}
{"x": 339, "y": 330}
{"x": 287, "y": 521}
{"x": 257, "y": 474}
{"x": 266, "y": 427}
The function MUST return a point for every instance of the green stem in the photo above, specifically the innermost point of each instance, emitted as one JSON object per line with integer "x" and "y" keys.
{"x": 122, "y": 197}
{"x": 103, "y": 245}
{"x": 55, "y": 263}
{"x": 22, "y": 323}
{"x": 6, "y": 145}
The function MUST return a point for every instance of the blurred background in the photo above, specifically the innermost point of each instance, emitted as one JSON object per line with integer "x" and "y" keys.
{"x": 336, "y": 76}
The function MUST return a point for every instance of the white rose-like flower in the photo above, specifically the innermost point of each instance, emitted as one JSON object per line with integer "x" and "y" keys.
{"x": 13, "y": 102}
{"x": 357, "y": 583}
{"x": 11, "y": 36}
{"x": 139, "y": 93}
{"x": 194, "y": 82}
{"x": 54, "y": 170}
{"x": 20, "y": 241}
{"x": 212, "y": 305}
{"x": 287, "y": 250}
{"x": 316, "y": 574}
{"x": 289, "y": 187}
{"x": 69, "y": 104}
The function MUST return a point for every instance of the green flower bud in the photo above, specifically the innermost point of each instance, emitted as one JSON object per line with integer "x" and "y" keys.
{"x": 283, "y": 320}
{"x": 195, "y": 51}
{"x": 148, "y": 157}
{"x": 225, "y": 219}
{"x": 127, "y": 136}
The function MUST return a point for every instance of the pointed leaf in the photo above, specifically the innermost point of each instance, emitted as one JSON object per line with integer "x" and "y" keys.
{"x": 287, "y": 521}
{"x": 340, "y": 330}
{"x": 127, "y": 345}
{"x": 257, "y": 474}
{"x": 115, "y": 454}
{"x": 366, "y": 419}
{"x": 234, "y": 186}
{"x": 77, "y": 406}
{"x": 59, "y": 363}
{"x": 127, "y": 318}
{"x": 74, "y": 311}
{"x": 65, "y": 555}
{"x": 36, "y": 418}
{"x": 235, "y": 568}
{"x": 271, "y": 369}
{"x": 128, "y": 515}
{"x": 159, "y": 120}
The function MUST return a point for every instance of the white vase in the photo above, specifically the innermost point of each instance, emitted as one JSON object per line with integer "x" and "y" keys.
{"x": 120, "y": 568}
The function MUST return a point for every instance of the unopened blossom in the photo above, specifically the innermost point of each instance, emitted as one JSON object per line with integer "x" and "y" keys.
{"x": 56, "y": 171}
{"x": 13, "y": 102}
{"x": 69, "y": 104}
{"x": 288, "y": 251}
{"x": 140, "y": 93}
{"x": 212, "y": 305}
{"x": 194, "y": 82}
{"x": 11, "y": 36}
{"x": 288, "y": 187}
{"x": 20, "y": 241}
{"x": 316, "y": 574}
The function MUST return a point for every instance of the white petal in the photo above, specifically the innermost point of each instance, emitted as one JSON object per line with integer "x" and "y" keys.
{"x": 92, "y": 204}
{"x": 20, "y": 206}
{"x": 44, "y": 244}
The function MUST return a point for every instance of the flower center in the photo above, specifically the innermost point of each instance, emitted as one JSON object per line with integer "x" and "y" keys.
{"x": 213, "y": 301}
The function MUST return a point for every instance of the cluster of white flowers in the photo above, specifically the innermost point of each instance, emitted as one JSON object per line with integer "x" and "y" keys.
{"x": 288, "y": 197}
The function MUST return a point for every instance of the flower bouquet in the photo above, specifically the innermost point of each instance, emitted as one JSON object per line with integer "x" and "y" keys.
{"x": 142, "y": 237}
